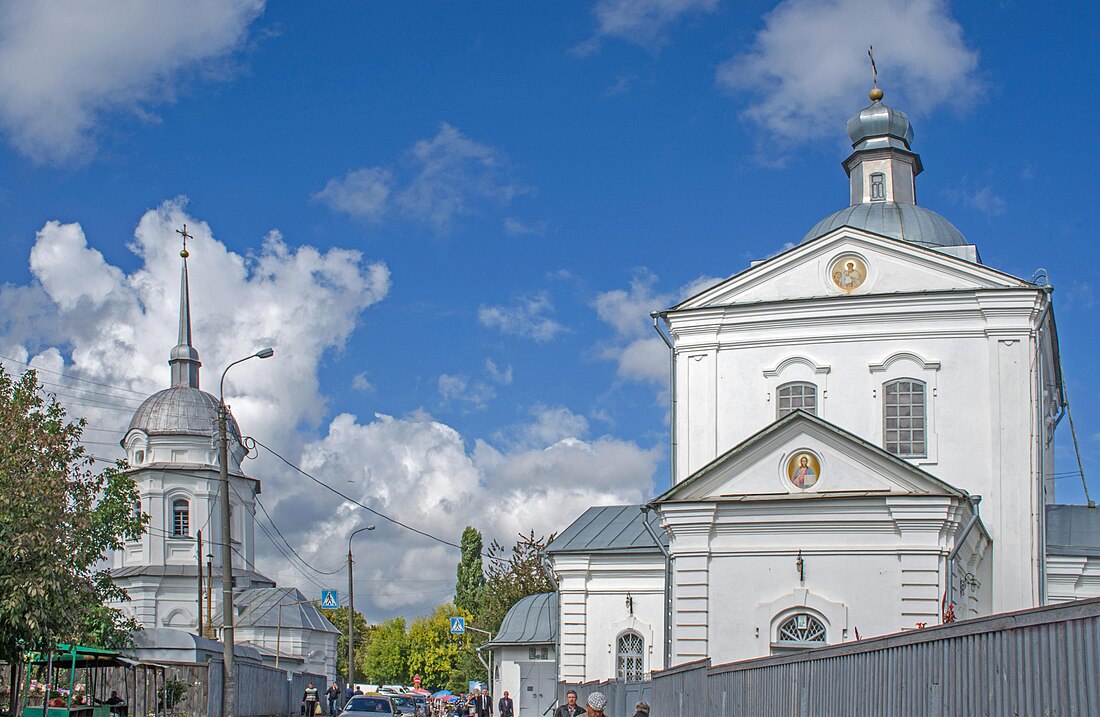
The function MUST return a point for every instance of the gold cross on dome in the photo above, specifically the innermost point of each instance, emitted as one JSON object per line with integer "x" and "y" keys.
{"x": 183, "y": 233}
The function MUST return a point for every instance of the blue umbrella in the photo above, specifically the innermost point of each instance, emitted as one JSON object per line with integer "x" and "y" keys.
{"x": 442, "y": 693}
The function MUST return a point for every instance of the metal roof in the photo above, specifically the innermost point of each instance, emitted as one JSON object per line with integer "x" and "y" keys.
{"x": 609, "y": 528}
{"x": 899, "y": 220}
{"x": 259, "y": 607}
{"x": 531, "y": 621}
{"x": 180, "y": 410}
{"x": 188, "y": 570}
{"x": 1073, "y": 530}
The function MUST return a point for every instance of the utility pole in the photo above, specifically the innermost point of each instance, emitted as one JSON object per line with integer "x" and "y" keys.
{"x": 229, "y": 682}
{"x": 351, "y": 611}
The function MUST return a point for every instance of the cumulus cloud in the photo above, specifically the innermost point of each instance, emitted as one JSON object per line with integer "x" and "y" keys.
{"x": 807, "y": 68}
{"x": 641, "y": 22}
{"x": 442, "y": 178}
{"x": 65, "y": 67}
{"x": 641, "y": 354}
{"x": 528, "y": 317}
{"x": 91, "y": 320}
{"x": 82, "y": 318}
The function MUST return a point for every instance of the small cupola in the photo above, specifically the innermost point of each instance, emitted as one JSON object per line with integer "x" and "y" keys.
{"x": 882, "y": 166}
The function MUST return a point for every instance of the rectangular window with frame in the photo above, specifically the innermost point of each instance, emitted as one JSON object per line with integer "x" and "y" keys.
{"x": 905, "y": 418}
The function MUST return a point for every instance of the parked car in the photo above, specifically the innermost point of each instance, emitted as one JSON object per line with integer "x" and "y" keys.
{"x": 404, "y": 705}
{"x": 369, "y": 704}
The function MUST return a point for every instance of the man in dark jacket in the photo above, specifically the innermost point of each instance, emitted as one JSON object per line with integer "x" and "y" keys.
{"x": 505, "y": 708}
{"x": 484, "y": 704}
{"x": 333, "y": 694}
{"x": 570, "y": 708}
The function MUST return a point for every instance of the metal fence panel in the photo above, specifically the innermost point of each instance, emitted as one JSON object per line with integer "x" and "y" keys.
{"x": 1044, "y": 661}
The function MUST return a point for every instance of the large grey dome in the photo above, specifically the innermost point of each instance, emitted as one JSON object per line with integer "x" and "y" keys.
{"x": 180, "y": 410}
{"x": 908, "y": 222}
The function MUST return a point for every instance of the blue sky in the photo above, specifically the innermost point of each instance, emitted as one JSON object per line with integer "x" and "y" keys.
{"x": 452, "y": 219}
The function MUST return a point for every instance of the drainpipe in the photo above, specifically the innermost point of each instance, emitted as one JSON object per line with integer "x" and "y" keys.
{"x": 672, "y": 396}
{"x": 668, "y": 584}
{"x": 974, "y": 518}
{"x": 549, "y": 573}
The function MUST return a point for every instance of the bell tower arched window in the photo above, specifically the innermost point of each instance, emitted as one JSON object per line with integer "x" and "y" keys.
{"x": 794, "y": 396}
{"x": 181, "y": 518}
{"x": 630, "y": 657}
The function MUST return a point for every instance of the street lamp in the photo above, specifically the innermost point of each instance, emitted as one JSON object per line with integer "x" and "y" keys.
{"x": 351, "y": 611}
{"x": 229, "y": 686}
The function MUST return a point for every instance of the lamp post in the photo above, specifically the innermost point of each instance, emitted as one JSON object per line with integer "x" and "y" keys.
{"x": 351, "y": 611}
{"x": 229, "y": 683}
{"x": 487, "y": 665}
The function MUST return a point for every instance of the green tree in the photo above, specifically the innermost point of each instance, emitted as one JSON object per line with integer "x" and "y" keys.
{"x": 471, "y": 577}
{"x": 512, "y": 578}
{"x": 385, "y": 658}
{"x": 58, "y": 518}
{"x": 434, "y": 653}
{"x": 363, "y": 635}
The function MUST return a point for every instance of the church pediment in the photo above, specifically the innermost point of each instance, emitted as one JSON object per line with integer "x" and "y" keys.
{"x": 802, "y": 456}
{"x": 851, "y": 262}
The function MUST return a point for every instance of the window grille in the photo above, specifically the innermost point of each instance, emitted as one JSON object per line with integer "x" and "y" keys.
{"x": 905, "y": 418}
{"x": 181, "y": 518}
{"x": 794, "y": 396}
{"x": 801, "y": 629}
{"x": 631, "y": 657}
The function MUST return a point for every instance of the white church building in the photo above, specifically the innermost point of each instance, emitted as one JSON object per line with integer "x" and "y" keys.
{"x": 861, "y": 443}
{"x": 171, "y": 446}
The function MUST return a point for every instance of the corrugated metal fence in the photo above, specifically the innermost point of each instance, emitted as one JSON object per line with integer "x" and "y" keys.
{"x": 1044, "y": 661}
{"x": 261, "y": 690}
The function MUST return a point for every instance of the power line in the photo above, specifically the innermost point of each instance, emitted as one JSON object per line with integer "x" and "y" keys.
{"x": 74, "y": 378}
{"x": 348, "y": 498}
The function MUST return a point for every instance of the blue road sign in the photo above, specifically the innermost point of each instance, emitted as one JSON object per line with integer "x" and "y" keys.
{"x": 329, "y": 600}
{"x": 458, "y": 625}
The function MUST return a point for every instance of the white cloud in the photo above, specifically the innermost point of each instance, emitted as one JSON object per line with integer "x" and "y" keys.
{"x": 503, "y": 376}
{"x": 982, "y": 198}
{"x": 360, "y": 382}
{"x": 527, "y": 318}
{"x": 118, "y": 327}
{"x": 361, "y": 193}
{"x": 639, "y": 352}
{"x": 807, "y": 68}
{"x": 443, "y": 178}
{"x": 641, "y": 22}
{"x": 517, "y": 228}
{"x": 65, "y": 67}
{"x": 460, "y": 388}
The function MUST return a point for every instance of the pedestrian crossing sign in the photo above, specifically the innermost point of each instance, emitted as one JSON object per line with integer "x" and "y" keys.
{"x": 458, "y": 625}
{"x": 329, "y": 600}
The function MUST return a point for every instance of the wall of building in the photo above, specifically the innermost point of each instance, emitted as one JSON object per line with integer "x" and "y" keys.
{"x": 593, "y": 592}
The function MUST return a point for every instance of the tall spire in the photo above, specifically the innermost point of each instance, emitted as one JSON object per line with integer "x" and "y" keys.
{"x": 185, "y": 359}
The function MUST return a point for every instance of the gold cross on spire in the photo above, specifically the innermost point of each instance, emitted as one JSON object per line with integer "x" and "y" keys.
{"x": 183, "y": 233}
{"x": 876, "y": 93}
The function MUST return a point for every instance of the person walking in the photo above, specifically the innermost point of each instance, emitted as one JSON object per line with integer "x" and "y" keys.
{"x": 310, "y": 698}
{"x": 333, "y": 697}
{"x": 570, "y": 708}
{"x": 596, "y": 703}
{"x": 505, "y": 708}
{"x": 484, "y": 704}
{"x": 641, "y": 709}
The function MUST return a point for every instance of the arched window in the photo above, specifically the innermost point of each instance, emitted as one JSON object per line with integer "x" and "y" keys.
{"x": 878, "y": 187}
{"x": 793, "y": 396}
{"x": 181, "y": 518}
{"x": 139, "y": 457}
{"x": 630, "y": 664}
{"x": 905, "y": 418}
{"x": 136, "y": 508}
{"x": 801, "y": 630}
